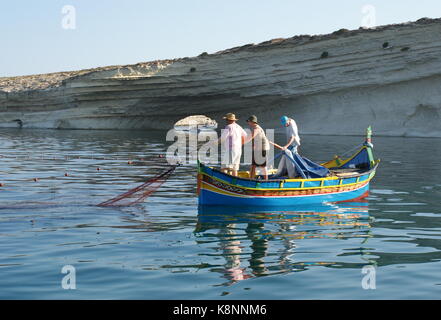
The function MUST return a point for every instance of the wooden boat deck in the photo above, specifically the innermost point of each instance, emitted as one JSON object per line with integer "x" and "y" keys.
{"x": 345, "y": 173}
{"x": 340, "y": 173}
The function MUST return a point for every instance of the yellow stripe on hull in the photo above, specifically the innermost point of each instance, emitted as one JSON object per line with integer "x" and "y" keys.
{"x": 294, "y": 180}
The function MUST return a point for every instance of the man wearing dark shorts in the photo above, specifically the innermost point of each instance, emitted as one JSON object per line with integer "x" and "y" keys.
{"x": 260, "y": 147}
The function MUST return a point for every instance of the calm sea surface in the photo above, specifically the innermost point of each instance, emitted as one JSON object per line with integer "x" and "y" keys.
{"x": 167, "y": 248}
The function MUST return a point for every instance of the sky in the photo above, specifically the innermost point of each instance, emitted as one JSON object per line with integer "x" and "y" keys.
{"x": 49, "y": 36}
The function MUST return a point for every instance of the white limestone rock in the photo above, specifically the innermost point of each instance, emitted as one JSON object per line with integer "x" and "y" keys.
{"x": 331, "y": 84}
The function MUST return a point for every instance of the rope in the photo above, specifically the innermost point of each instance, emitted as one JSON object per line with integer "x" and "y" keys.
{"x": 78, "y": 157}
{"x": 275, "y": 158}
{"x": 352, "y": 150}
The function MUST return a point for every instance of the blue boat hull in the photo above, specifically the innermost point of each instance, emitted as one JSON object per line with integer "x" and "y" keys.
{"x": 207, "y": 197}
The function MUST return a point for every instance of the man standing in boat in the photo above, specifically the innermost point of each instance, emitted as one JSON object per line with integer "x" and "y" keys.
{"x": 260, "y": 147}
{"x": 292, "y": 135}
{"x": 231, "y": 141}
{"x": 293, "y": 142}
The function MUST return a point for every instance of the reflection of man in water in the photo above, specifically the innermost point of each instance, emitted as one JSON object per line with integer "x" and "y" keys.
{"x": 285, "y": 261}
{"x": 259, "y": 247}
{"x": 231, "y": 251}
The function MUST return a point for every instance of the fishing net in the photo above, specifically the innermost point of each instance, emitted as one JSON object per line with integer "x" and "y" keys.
{"x": 141, "y": 192}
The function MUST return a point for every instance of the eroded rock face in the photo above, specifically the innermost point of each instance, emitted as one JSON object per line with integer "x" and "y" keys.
{"x": 358, "y": 82}
{"x": 196, "y": 120}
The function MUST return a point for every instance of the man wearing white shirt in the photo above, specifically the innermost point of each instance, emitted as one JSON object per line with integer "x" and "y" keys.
{"x": 232, "y": 140}
{"x": 292, "y": 133}
{"x": 293, "y": 142}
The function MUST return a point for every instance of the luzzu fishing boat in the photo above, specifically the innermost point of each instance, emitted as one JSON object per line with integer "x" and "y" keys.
{"x": 345, "y": 179}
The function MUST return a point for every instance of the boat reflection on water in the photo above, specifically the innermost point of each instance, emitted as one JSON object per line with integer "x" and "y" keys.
{"x": 262, "y": 241}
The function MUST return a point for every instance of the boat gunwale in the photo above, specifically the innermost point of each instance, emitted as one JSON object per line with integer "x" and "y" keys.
{"x": 369, "y": 172}
{"x": 361, "y": 184}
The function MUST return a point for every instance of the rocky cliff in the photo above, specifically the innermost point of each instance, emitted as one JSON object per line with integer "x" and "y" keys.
{"x": 339, "y": 83}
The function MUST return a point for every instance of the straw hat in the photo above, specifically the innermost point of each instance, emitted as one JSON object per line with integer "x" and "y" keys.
{"x": 231, "y": 117}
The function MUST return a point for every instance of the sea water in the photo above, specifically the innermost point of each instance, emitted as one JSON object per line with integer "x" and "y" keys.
{"x": 55, "y": 243}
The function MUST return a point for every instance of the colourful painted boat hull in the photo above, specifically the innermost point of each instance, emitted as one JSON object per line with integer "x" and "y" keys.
{"x": 349, "y": 180}
{"x": 210, "y": 196}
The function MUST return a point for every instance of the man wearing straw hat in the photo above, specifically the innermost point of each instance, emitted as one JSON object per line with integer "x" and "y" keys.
{"x": 231, "y": 141}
